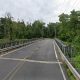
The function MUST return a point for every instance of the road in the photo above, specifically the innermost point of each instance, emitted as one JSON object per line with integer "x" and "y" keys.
{"x": 37, "y": 61}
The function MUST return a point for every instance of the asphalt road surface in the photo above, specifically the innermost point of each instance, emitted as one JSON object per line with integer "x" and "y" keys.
{"x": 37, "y": 61}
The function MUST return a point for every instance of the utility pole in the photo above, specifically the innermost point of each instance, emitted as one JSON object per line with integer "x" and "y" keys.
{"x": 42, "y": 32}
{"x": 55, "y": 31}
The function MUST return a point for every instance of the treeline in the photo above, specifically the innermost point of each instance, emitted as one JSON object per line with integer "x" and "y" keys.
{"x": 69, "y": 31}
{"x": 69, "y": 28}
{"x": 10, "y": 29}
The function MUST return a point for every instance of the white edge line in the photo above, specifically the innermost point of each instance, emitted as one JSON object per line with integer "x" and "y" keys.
{"x": 59, "y": 63}
{"x": 55, "y": 51}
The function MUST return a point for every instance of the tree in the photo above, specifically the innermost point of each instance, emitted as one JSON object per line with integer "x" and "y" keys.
{"x": 1, "y": 29}
{"x": 51, "y": 29}
{"x": 38, "y": 27}
{"x": 9, "y": 25}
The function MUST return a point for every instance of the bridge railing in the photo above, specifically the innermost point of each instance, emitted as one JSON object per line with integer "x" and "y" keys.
{"x": 15, "y": 44}
{"x": 64, "y": 50}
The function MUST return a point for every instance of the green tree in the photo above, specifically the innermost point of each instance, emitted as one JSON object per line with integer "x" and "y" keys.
{"x": 51, "y": 29}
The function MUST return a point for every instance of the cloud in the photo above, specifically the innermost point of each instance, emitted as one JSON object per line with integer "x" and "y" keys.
{"x": 31, "y": 10}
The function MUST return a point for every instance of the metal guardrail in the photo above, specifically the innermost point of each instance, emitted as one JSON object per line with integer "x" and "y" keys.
{"x": 68, "y": 50}
{"x": 15, "y": 44}
{"x": 72, "y": 69}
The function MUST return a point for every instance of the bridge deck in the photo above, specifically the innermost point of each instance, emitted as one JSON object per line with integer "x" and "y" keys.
{"x": 37, "y": 61}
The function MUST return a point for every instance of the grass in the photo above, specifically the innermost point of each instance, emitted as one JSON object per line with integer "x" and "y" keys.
{"x": 76, "y": 60}
{"x": 69, "y": 73}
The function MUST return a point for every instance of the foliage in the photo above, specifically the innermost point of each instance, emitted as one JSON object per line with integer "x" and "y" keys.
{"x": 77, "y": 61}
{"x": 69, "y": 31}
{"x": 12, "y": 30}
{"x": 69, "y": 73}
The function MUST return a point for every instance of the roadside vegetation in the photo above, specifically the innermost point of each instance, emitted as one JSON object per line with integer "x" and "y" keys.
{"x": 69, "y": 32}
{"x": 69, "y": 73}
{"x": 11, "y": 30}
{"x": 67, "y": 29}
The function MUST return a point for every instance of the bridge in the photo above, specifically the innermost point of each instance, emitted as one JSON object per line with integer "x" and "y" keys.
{"x": 39, "y": 60}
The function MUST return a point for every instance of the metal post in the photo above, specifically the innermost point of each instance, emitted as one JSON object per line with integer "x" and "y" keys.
{"x": 64, "y": 51}
{"x": 55, "y": 31}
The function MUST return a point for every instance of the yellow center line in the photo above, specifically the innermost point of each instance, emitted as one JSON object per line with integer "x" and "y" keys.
{"x": 14, "y": 69}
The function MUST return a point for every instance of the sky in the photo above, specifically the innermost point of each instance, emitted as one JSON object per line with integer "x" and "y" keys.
{"x": 31, "y": 10}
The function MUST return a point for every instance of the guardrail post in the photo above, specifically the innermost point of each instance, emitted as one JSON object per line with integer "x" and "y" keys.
{"x": 64, "y": 50}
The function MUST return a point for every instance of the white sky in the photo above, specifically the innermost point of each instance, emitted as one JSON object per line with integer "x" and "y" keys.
{"x": 31, "y": 10}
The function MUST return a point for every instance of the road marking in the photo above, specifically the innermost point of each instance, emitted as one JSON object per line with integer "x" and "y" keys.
{"x": 18, "y": 68}
{"x": 15, "y": 50}
{"x": 11, "y": 71}
{"x": 44, "y": 62}
{"x": 55, "y": 52}
{"x": 34, "y": 61}
{"x": 59, "y": 63}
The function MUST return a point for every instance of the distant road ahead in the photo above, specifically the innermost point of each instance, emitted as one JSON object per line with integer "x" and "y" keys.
{"x": 37, "y": 61}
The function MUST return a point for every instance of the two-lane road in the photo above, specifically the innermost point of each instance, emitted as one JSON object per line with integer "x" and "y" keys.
{"x": 37, "y": 61}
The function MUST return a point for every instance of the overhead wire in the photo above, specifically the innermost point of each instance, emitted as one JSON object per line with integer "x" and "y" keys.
{"x": 66, "y": 8}
{"x": 69, "y": 6}
{"x": 75, "y": 4}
